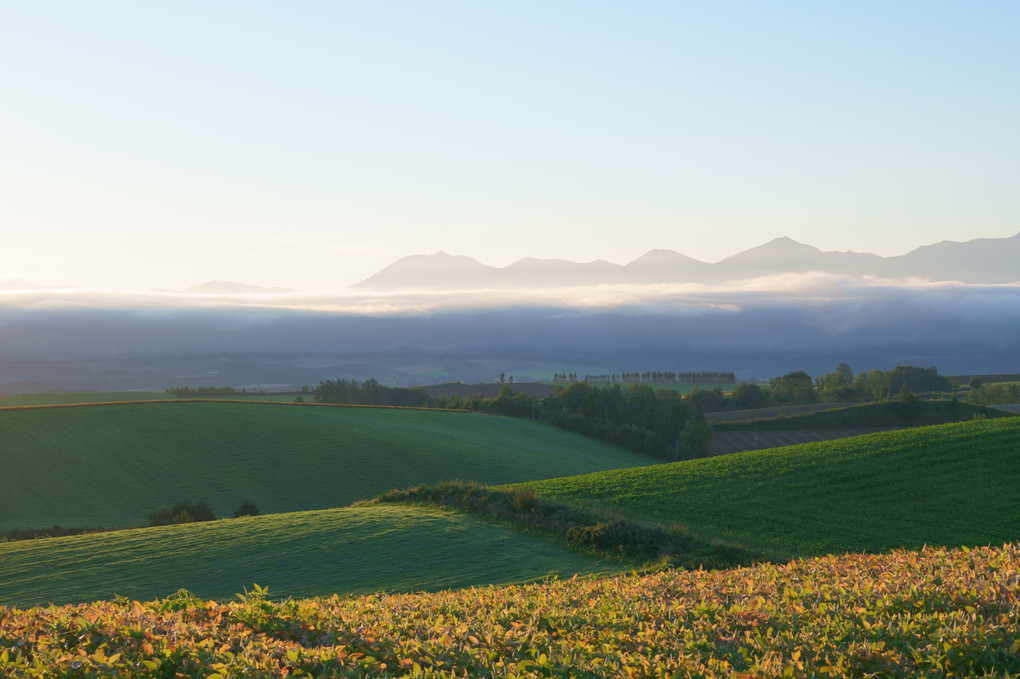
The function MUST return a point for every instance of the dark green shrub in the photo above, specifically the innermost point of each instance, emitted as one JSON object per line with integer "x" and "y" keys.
{"x": 180, "y": 512}
{"x": 246, "y": 508}
{"x": 579, "y": 527}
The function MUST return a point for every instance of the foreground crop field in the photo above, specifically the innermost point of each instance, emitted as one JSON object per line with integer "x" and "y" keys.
{"x": 355, "y": 550}
{"x": 110, "y": 465}
{"x": 932, "y": 613}
{"x": 950, "y": 485}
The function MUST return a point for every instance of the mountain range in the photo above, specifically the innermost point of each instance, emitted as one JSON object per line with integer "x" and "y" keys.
{"x": 982, "y": 260}
{"x": 232, "y": 288}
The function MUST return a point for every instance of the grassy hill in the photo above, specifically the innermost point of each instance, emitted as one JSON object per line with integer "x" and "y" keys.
{"x": 354, "y": 550}
{"x": 110, "y": 465}
{"x": 952, "y": 484}
{"x": 43, "y": 399}
{"x": 78, "y": 397}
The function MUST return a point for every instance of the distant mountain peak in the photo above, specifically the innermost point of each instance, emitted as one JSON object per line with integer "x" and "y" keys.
{"x": 439, "y": 270}
{"x": 659, "y": 256}
{"x": 771, "y": 257}
{"x": 787, "y": 242}
{"x": 232, "y": 288}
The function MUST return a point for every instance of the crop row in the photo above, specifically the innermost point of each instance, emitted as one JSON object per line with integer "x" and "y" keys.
{"x": 933, "y": 612}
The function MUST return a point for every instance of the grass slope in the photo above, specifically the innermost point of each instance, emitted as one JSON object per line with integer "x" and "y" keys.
{"x": 55, "y": 398}
{"x": 76, "y": 397}
{"x": 953, "y": 484}
{"x": 354, "y": 550}
{"x": 111, "y": 465}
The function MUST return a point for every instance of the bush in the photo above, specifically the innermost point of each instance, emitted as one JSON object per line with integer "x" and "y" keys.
{"x": 246, "y": 508}
{"x": 579, "y": 527}
{"x": 180, "y": 512}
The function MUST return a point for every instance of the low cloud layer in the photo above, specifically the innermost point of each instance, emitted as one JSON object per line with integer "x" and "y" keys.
{"x": 787, "y": 314}
{"x": 675, "y": 298}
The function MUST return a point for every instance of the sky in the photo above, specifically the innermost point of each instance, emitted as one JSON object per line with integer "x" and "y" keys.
{"x": 164, "y": 144}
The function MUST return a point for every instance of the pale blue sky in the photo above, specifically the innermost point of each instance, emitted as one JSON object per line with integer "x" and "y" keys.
{"x": 310, "y": 144}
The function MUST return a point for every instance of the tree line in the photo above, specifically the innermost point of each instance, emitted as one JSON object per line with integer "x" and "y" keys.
{"x": 656, "y": 421}
{"x": 648, "y": 377}
{"x": 992, "y": 394}
{"x": 192, "y": 392}
{"x": 369, "y": 392}
{"x": 798, "y": 387}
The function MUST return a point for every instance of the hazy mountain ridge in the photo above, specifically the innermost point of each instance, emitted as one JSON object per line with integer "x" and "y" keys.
{"x": 982, "y": 260}
{"x": 232, "y": 288}
{"x": 20, "y": 285}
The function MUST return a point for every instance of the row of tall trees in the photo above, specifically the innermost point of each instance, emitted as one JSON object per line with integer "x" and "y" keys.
{"x": 193, "y": 392}
{"x": 648, "y": 377}
{"x": 798, "y": 387}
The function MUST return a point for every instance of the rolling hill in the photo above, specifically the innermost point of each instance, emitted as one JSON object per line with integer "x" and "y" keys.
{"x": 354, "y": 550}
{"x": 951, "y": 485}
{"x": 73, "y": 397}
{"x": 109, "y": 465}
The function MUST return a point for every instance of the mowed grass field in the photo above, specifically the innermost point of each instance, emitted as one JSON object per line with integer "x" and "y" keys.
{"x": 354, "y": 550}
{"x": 110, "y": 465}
{"x": 947, "y": 485}
{"x": 77, "y": 397}
{"x": 43, "y": 399}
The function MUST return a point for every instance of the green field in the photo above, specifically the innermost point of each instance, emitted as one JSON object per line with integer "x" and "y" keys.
{"x": 953, "y": 484}
{"x": 354, "y": 550}
{"x": 80, "y": 397}
{"x": 931, "y": 612}
{"x": 111, "y": 465}
{"x": 73, "y": 397}
{"x": 271, "y": 396}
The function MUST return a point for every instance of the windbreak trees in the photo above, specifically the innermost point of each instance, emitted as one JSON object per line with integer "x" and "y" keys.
{"x": 637, "y": 417}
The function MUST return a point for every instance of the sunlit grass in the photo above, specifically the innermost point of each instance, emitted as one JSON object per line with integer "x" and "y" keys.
{"x": 953, "y": 484}
{"x": 354, "y": 550}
